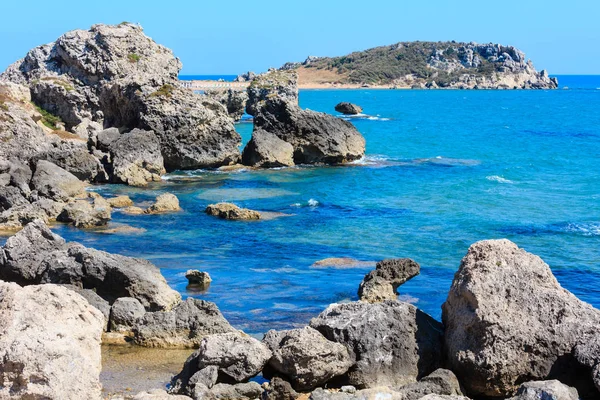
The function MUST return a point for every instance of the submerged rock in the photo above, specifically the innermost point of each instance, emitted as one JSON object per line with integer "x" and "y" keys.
{"x": 231, "y": 211}
{"x": 508, "y": 320}
{"x": 306, "y": 357}
{"x": 348, "y": 108}
{"x": 182, "y": 327}
{"x": 392, "y": 343}
{"x": 165, "y": 203}
{"x": 49, "y": 344}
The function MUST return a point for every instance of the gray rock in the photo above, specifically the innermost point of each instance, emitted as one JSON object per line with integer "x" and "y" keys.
{"x": 306, "y": 357}
{"x": 376, "y": 289}
{"x": 157, "y": 394}
{"x": 124, "y": 313}
{"x": 279, "y": 389}
{"x": 16, "y": 217}
{"x": 78, "y": 161}
{"x": 36, "y": 255}
{"x": 546, "y": 390}
{"x": 266, "y": 150}
{"x": 53, "y": 182}
{"x": 82, "y": 214}
{"x": 507, "y": 320}
{"x": 365, "y": 394}
{"x": 392, "y": 343}
{"x": 196, "y": 277}
{"x": 11, "y": 196}
{"x": 383, "y": 282}
{"x": 105, "y": 138}
{"x": 206, "y": 376}
{"x": 282, "y": 85}
{"x": 95, "y": 301}
{"x": 348, "y": 108}
{"x": 184, "y": 326}
{"x": 19, "y": 173}
{"x": 136, "y": 158}
{"x": 440, "y": 382}
{"x": 233, "y": 100}
{"x": 241, "y": 391}
{"x": 49, "y": 344}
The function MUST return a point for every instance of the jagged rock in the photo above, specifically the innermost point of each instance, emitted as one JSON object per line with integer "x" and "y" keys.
{"x": 95, "y": 301}
{"x": 282, "y": 85}
{"x": 306, "y": 357}
{"x": 266, "y": 150}
{"x": 348, "y": 108}
{"x": 231, "y": 211}
{"x": 246, "y": 77}
{"x": 279, "y": 389}
{"x": 11, "y": 196}
{"x": 55, "y": 183}
{"x": 78, "y": 161}
{"x": 392, "y": 343}
{"x": 196, "y": 277}
{"x": 124, "y": 313}
{"x": 587, "y": 353}
{"x": 16, "y": 217}
{"x": 382, "y": 283}
{"x": 49, "y": 344}
{"x": 439, "y": 382}
{"x": 136, "y": 158}
{"x": 206, "y": 376}
{"x": 546, "y": 390}
{"x": 183, "y": 327}
{"x": 50, "y": 207}
{"x": 20, "y": 174}
{"x": 36, "y": 255}
{"x": 83, "y": 215}
{"x": 120, "y": 202}
{"x": 106, "y": 138}
{"x": 233, "y": 100}
{"x": 165, "y": 203}
{"x": 507, "y": 320}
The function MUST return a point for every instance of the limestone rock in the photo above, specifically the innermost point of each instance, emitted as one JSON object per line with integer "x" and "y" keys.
{"x": 375, "y": 290}
{"x": 49, "y": 344}
{"x": 266, "y": 150}
{"x": 132, "y": 210}
{"x": 382, "y": 283}
{"x": 183, "y": 327}
{"x": 231, "y": 211}
{"x": 348, "y": 108}
{"x": 120, "y": 202}
{"x": 439, "y": 382}
{"x": 507, "y": 319}
{"x": 159, "y": 394}
{"x": 165, "y": 203}
{"x": 546, "y": 390}
{"x": 55, "y": 183}
{"x": 233, "y": 100}
{"x": 196, "y": 277}
{"x": 306, "y": 357}
{"x": 273, "y": 84}
{"x": 95, "y": 301}
{"x": 83, "y": 215}
{"x": 240, "y": 391}
{"x": 124, "y": 313}
{"x": 392, "y": 343}
{"x": 279, "y": 389}
{"x": 136, "y": 158}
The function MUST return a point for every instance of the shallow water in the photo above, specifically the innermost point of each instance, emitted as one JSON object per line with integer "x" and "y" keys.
{"x": 443, "y": 170}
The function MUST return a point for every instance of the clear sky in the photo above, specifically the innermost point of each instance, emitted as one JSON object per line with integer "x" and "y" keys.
{"x": 230, "y": 37}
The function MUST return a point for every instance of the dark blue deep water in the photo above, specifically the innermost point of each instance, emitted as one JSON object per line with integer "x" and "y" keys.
{"x": 443, "y": 169}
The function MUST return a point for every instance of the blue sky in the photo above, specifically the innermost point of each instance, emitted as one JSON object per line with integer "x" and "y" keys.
{"x": 230, "y": 37}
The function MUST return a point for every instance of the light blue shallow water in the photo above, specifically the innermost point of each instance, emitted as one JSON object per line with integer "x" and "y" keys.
{"x": 444, "y": 169}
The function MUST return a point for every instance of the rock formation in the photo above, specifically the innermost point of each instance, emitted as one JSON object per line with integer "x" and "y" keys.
{"x": 508, "y": 320}
{"x": 231, "y": 211}
{"x": 233, "y": 100}
{"x": 166, "y": 202}
{"x": 382, "y": 283}
{"x": 49, "y": 344}
{"x": 278, "y": 121}
{"x": 348, "y": 108}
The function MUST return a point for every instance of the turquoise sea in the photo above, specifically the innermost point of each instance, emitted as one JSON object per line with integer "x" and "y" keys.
{"x": 443, "y": 169}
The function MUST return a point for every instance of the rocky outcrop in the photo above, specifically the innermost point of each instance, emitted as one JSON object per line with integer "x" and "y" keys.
{"x": 165, "y": 203}
{"x": 136, "y": 158}
{"x": 115, "y": 76}
{"x": 508, "y": 320}
{"x": 120, "y": 202}
{"x": 348, "y": 108}
{"x": 36, "y": 255}
{"x": 391, "y": 343}
{"x": 124, "y": 313}
{"x": 236, "y": 357}
{"x": 306, "y": 357}
{"x": 314, "y": 137}
{"x": 546, "y": 390}
{"x": 231, "y": 211}
{"x": 441, "y": 382}
{"x": 233, "y": 100}
{"x": 55, "y": 183}
{"x": 279, "y": 389}
{"x": 49, "y": 344}
{"x": 199, "y": 278}
{"x": 83, "y": 214}
{"x": 185, "y": 326}
{"x": 382, "y": 283}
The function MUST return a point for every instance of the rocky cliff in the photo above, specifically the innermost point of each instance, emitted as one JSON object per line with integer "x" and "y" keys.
{"x": 428, "y": 65}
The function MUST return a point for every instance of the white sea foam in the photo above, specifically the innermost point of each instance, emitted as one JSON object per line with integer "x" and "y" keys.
{"x": 313, "y": 203}
{"x": 585, "y": 229}
{"x": 499, "y": 179}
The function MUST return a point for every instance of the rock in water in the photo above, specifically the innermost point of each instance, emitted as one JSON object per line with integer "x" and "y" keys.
{"x": 383, "y": 282}
{"x": 306, "y": 357}
{"x": 348, "y": 108}
{"x": 117, "y": 76}
{"x": 165, "y": 203}
{"x": 196, "y": 277}
{"x": 49, "y": 344}
{"x": 36, "y": 255}
{"x": 314, "y": 137}
{"x": 136, "y": 158}
{"x": 231, "y": 211}
{"x": 392, "y": 343}
{"x": 508, "y": 320}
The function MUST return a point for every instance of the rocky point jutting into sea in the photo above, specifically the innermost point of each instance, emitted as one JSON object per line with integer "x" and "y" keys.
{"x": 104, "y": 106}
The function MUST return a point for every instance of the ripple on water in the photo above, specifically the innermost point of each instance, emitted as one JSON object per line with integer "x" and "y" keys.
{"x": 233, "y": 194}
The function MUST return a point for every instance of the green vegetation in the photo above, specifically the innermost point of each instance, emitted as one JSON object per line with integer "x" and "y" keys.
{"x": 57, "y": 81}
{"x": 133, "y": 58}
{"x": 3, "y": 105}
{"x": 48, "y": 119}
{"x": 124, "y": 23}
{"x": 164, "y": 91}
{"x": 382, "y": 65}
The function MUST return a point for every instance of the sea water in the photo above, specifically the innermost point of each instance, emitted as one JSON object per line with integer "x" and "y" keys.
{"x": 443, "y": 169}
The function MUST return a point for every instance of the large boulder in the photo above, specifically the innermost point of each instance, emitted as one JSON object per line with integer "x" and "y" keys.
{"x": 306, "y": 357}
{"x": 233, "y": 100}
{"x": 348, "y": 108}
{"x": 49, "y": 344}
{"x": 231, "y": 211}
{"x": 165, "y": 203}
{"x": 36, "y": 255}
{"x": 440, "y": 382}
{"x": 53, "y": 182}
{"x": 136, "y": 158}
{"x": 545, "y": 390}
{"x": 185, "y": 326}
{"x": 282, "y": 85}
{"x": 82, "y": 214}
{"x": 124, "y": 313}
{"x": 382, "y": 283}
{"x": 266, "y": 150}
{"x": 392, "y": 343}
{"x": 508, "y": 320}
